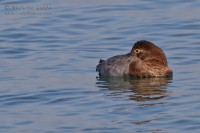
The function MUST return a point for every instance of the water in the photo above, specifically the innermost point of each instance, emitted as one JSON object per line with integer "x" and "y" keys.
{"x": 49, "y": 51}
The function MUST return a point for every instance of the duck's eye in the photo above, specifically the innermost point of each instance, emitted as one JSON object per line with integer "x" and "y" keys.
{"x": 137, "y": 51}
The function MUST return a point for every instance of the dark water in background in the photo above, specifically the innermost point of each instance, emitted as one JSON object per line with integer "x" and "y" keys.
{"x": 49, "y": 50}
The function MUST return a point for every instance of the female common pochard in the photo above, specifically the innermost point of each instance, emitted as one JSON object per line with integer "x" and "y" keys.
{"x": 144, "y": 60}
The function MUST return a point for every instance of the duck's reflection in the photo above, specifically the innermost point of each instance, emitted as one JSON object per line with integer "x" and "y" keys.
{"x": 140, "y": 89}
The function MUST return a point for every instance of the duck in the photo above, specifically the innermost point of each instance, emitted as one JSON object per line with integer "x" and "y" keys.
{"x": 144, "y": 60}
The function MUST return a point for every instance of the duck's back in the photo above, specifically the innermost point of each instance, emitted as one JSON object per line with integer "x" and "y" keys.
{"x": 115, "y": 66}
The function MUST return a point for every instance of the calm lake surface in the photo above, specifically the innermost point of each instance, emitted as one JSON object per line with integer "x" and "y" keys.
{"x": 49, "y": 51}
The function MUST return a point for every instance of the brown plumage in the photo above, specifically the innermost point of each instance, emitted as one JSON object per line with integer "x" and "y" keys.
{"x": 145, "y": 60}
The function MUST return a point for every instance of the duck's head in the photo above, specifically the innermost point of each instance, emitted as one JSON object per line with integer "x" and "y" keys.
{"x": 147, "y": 51}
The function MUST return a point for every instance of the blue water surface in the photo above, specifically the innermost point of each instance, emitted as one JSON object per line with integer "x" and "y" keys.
{"x": 49, "y": 51}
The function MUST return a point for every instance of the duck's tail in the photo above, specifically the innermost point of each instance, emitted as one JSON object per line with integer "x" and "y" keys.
{"x": 98, "y": 67}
